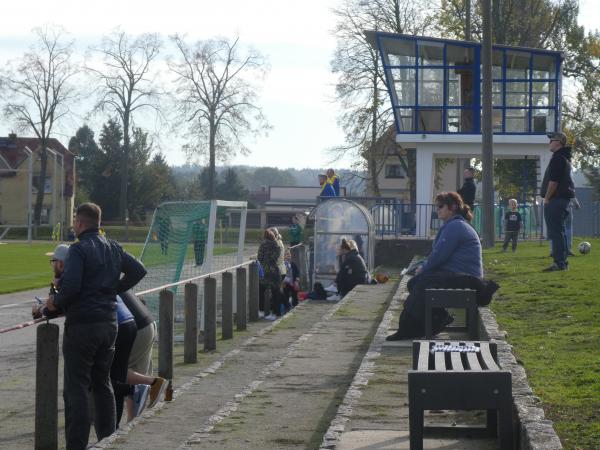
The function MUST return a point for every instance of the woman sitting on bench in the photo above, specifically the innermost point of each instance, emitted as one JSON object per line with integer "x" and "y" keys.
{"x": 456, "y": 252}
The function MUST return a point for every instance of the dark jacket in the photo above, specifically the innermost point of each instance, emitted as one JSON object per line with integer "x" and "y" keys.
{"x": 352, "y": 272}
{"x": 559, "y": 170}
{"x": 467, "y": 191}
{"x": 268, "y": 254}
{"x": 142, "y": 315}
{"x": 91, "y": 278}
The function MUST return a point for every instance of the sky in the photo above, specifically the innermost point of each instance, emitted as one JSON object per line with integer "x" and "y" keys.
{"x": 295, "y": 36}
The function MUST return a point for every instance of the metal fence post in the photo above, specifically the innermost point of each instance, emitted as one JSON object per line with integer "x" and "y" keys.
{"x": 210, "y": 314}
{"x": 253, "y": 292}
{"x": 166, "y": 312}
{"x": 190, "y": 333}
{"x": 240, "y": 316}
{"x": 46, "y": 387}
{"x": 227, "y": 305}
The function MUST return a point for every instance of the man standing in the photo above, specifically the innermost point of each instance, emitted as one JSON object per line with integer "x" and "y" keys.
{"x": 334, "y": 181}
{"x": 557, "y": 190}
{"x": 57, "y": 260}
{"x": 468, "y": 189}
{"x": 87, "y": 296}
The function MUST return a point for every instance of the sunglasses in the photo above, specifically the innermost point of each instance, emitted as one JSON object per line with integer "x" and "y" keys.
{"x": 440, "y": 206}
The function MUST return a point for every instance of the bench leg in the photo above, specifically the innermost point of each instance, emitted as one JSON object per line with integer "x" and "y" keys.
{"x": 415, "y": 420}
{"x": 472, "y": 323}
{"x": 428, "y": 313}
{"x": 492, "y": 422}
{"x": 506, "y": 427}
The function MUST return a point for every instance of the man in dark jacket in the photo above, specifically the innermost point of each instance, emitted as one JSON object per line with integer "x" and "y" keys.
{"x": 468, "y": 189}
{"x": 87, "y": 296}
{"x": 557, "y": 190}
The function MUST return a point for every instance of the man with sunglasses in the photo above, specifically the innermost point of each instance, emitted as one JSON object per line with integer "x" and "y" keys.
{"x": 557, "y": 190}
{"x": 57, "y": 261}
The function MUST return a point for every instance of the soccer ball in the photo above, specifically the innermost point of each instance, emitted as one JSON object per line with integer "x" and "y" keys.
{"x": 584, "y": 247}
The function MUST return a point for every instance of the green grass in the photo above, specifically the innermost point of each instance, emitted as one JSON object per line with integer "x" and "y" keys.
{"x": 26, "y": 266}
{"x": 553, "y": 322}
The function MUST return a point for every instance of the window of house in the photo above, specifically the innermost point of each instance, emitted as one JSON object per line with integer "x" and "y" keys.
{"x": 394, "y": 171}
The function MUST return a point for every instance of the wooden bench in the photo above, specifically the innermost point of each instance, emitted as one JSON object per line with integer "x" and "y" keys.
{"x": 459, "y": 375}
{"x": 453, "y": 298}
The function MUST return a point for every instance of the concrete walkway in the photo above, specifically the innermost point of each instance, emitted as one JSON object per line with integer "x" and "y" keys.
{"x": 323, "y": 377}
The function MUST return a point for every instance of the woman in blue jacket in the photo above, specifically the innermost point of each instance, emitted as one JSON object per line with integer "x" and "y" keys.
{"x": 455, "y": 251}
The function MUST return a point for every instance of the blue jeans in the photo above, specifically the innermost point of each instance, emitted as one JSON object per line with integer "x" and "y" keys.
{"x": 555, "y": 214}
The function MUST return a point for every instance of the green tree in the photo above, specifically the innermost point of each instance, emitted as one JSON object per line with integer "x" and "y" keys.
{"x": 231, "y": 188}
{"x": 86, "y": 151}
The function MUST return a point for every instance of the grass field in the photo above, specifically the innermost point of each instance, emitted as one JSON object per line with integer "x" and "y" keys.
{"x": 553, "y": 322}
{"x": 25, "y": 266}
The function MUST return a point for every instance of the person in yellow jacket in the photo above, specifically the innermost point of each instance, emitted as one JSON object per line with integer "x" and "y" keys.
{"x": 334, "y": 181}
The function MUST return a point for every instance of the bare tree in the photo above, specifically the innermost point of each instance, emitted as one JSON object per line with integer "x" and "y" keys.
{"x": 36, "y": 92}
{"x": 128, "y": 85}
{"x": 360, "y": 89}
{"x": 217, "y": 98}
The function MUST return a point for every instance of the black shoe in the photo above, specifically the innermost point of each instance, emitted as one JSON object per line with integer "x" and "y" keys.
{"x": 554, "y": 268}
{"x": 570, "y": 253}
{"x": 398, "y": 336}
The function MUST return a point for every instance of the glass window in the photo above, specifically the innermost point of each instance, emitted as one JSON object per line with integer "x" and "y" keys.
{"x": 400, "y": 52}
{"x": 543, "y": 93}
{"x": 459, "y": 120}
{"x": 497, "y": 93}
{"x": 404, "y": 83}
{"x": 460, "y": 87}
{"x": 431, "y": 53}
{"x": 429, "y": 119}
{"x": 394, "y": 171}
{"x": 497, "y": 62}
{"x": 405, "y": 119}
{"x": 431, "y": 87}
{"x": 497, "y": 120}
{"x": 544, "y": 67}
{"x": 457, "y": 55}
{"x": 516, "y": 121}
{"x": 517, "y": 93}
{"x": 341, "y": 217}
{"x": 517, "y": 64}
{"x": 542, "y": 120}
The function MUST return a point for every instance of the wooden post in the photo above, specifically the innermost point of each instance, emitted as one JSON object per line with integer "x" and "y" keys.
{"x": 46, "y": 387}
{"x": 166, "y": 312}
{"x": 190, "y": 333}
{"x": 240, "y": 316}
{"x": 210, "y": 314}
{"x": 253, "y": 292}
{"x": 227, "y": 305}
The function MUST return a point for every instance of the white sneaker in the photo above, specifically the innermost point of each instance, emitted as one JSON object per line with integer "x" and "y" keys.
{"x": 140, "y": 396}
{"x": 261, "y": 314}
{"x": 331, "y": 288}
{"x": 271, "y": 317}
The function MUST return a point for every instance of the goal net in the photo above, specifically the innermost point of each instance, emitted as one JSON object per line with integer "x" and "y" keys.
{"x": 188, "y": 239}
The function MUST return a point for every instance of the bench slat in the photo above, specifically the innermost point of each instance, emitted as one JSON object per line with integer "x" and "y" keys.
{"x": 424, "y": 356}
{"x": 457, "y": 364}
{"x": 487, "y": 357}
{"x": 473, "y": 362}
{"x": 440, "y": 361}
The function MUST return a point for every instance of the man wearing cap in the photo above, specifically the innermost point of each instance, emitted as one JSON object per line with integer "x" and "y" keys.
{"x": 87, "y": 296}
{"x": 57, "y": 260}
{"x": 557, "y": 190}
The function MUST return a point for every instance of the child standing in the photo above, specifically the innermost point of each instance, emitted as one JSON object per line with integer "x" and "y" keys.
{"x": 512, "y": 225}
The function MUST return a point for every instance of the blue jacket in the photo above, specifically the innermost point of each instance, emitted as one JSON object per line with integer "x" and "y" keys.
{"x": 456, "y": 249}
{"x": 327, "y": 190}
{"x": 91, "y": 279}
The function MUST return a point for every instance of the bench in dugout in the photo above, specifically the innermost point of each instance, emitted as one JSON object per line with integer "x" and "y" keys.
{"x": 459, "y": 375}
{"x": 453, "y": 298}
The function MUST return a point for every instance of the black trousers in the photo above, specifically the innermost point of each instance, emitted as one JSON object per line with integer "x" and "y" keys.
{"x": 118, "y": 371}
{"x": 510, "y": 236}
{"x": 88, "y": 350}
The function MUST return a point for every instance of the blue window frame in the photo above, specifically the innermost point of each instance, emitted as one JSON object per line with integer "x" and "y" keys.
{"x": 435, "y": 86}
